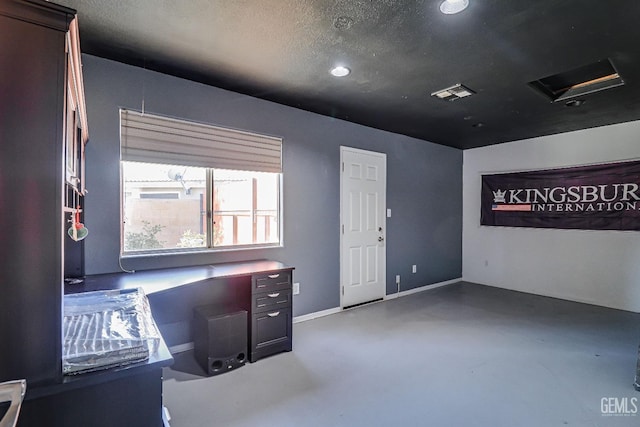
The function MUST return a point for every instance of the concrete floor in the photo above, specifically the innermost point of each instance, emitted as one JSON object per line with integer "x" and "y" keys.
{"x": 461, "y": 355}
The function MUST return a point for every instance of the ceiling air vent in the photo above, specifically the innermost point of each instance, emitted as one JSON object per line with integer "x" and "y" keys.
{"x": 580, "y": 81}
{"x": 454, "y": 92}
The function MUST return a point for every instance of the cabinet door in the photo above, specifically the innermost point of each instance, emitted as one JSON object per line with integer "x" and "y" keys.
{"x": 32, "y": 69}
{"x": 270, "y": 333}
{"x": 76, "y": 132}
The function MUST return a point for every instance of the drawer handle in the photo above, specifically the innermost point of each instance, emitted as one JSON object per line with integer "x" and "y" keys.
{"x": 274, "y": 276}
{"x": 277, "y": 294}
{"x": 274, "y": 314}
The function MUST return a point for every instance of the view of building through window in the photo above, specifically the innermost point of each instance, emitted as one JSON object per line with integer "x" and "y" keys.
{"x": 165, "y": 207}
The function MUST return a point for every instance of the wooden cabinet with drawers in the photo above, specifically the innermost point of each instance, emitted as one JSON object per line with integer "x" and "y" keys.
{"x": 271, "y": 316}
{"x": 39, "y": 68}
{"x": 263, "y": 288}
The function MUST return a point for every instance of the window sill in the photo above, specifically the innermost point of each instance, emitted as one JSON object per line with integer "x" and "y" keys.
{"x": 187, "y": 252}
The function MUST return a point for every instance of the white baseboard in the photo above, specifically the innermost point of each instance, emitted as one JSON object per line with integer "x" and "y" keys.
{"x": 316, "y": 315}
{"x": 335, "y": 310}
{"x": 421, "y": 289}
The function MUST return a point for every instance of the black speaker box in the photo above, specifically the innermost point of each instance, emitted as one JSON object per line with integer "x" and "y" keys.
{"x": 220, "y": 339}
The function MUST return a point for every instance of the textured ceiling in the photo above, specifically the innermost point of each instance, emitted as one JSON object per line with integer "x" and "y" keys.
{"x": 399, "y": 53}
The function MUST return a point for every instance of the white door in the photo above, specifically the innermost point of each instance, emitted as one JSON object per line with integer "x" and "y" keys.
{"x": 362, "y": 213}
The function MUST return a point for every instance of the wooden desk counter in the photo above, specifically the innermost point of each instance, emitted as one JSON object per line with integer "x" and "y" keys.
{"x": 173, "y": 293}
{"x": 155, "y": 281}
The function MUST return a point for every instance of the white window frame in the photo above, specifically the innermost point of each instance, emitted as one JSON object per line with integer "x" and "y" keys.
{"x": 151, "y": 138}
{"x": 209, "y": 190}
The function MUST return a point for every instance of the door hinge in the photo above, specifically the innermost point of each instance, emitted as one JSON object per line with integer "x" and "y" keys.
{"x": 342, "y": 228}
{"x": 342, "y": 166}
{"x": 343, "y": 291}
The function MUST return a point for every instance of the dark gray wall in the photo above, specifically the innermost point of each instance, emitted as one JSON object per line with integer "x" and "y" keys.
{"x": 424, "y": 183}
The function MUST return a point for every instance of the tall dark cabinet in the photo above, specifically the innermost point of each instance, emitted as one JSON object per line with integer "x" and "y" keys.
{"x": 42, "y": 134}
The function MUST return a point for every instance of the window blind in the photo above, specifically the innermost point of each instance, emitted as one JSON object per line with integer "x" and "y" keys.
{"x": 157, "y": 139}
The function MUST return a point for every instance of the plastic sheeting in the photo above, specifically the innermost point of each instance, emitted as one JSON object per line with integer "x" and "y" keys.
{"x": 106, "y": 329}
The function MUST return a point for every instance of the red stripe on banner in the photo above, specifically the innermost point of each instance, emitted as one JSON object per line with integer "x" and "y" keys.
{"x": 511, "y": 208}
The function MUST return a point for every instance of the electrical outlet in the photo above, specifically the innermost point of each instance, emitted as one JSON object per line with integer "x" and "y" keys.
{"x": 398, "y": 279}
{"x": 414, "y": 269}
{"x": 296, "y": 288}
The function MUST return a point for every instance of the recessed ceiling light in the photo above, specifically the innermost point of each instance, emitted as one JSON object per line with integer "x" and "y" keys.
{"x": 340, "y": 71}
{"x": 449, "y": 7}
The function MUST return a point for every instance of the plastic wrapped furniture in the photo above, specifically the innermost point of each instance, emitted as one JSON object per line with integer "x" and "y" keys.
{"x": 12, "y": 391}
{"x": 106, "y": 329}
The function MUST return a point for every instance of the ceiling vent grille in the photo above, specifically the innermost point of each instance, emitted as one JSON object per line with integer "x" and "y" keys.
{"x": 580, "y": 81}
{"x": 454, "y": 92}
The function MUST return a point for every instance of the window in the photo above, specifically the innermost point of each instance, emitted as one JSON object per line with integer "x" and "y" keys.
{"x": 154, "y": 221}
{"x": 245, "y": 208}
{"x": 174, "y": 199}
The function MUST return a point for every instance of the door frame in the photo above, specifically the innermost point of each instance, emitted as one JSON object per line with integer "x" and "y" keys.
{"x": 344, "y": 148}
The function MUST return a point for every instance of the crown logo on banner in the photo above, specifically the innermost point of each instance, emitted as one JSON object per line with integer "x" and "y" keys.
{"x": 499, "y": 196}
